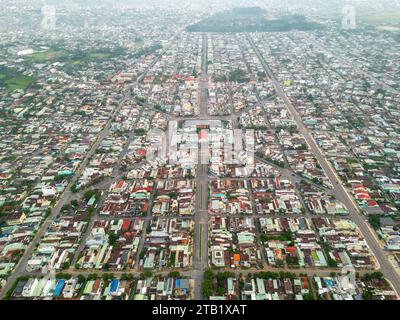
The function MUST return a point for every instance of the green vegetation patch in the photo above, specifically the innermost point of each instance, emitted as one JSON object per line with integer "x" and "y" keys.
{"x": 49, "y": 55}
{"x": 251, "y": 19}
{"x": 99, "y": 55}
{"x": 75, "y": 57}
{"x": 146, "y": 51}
{"x": 351, "y": 161}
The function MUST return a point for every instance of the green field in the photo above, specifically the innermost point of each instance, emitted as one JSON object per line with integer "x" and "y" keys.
{"x": 83, "y": 57}
{"x": 49, "y": 55}
{"x": 18, "y": 82}
{"x": 66, "y": 56}
{"x": 99, "y": 56}
{"x": 12, "y": 80}
{"x": 351, "y": 161}
{"x": 314, "y": 256}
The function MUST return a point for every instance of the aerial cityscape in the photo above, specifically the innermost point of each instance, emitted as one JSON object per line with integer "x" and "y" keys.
{"x": 199, "y": 150}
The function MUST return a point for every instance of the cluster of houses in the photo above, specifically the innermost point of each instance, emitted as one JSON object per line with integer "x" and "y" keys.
{"x": 351, "y": 116}
{"x": 126, "y": 287}
{"x": 233, "y": 243}
{"x": 49, "y": 129}
{"x": 291, "y": 242}
{"x": 219, "y": 98}
{"x": 267, "y": 147}
{"x": 225, "y": 56}
{"x": 343, "y": 243}
{"x": 168, "y": 171}
{"x": 315, "y": 242}
{"x": 47, "y": 288}
{"x": 111, "y": 245}
{"x": 229, "y": 197}
{"x": 179, "y": 96}
{"x": 276, "y": 289}
{"x": 262, "y": 286}
{"x": 106, "y": 157}
{"x": 319, "y": 202}
{"x": 127, "y": 198}
{"x": 243, "y": 97}
{"x": 170, "y": 84}
{"x": 59, "y": 244}
{"x": 164, "y": 288}
{"x": 290, "y": 286}
{"x": 253, "y": 117}
{"x": 24, "y": 205}
{"x": 174, "y": 197}
{"x": 275, "y": 196}
{"x": 168, "y": 244}
{"x": 49, "y": 126}
{"x": 341, "y": 287}
{"x": 389, "y": 230}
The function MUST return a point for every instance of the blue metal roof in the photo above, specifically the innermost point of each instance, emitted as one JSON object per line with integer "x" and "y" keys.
{"x": 59, "y": 288}
{"x": 114, "y": 285}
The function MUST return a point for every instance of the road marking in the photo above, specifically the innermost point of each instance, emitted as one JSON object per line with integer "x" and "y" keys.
{"x": 200, "y": 243}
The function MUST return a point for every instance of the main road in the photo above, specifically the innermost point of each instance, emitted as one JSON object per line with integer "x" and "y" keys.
{"x": 338, "y": 189}
{"x": 200, "y": 250}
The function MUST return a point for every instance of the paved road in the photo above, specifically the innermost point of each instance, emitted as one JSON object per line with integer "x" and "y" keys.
{"x": 200, "y": 249}
{"x": 339, "y": 190}
{"x": 309, "y": 271}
